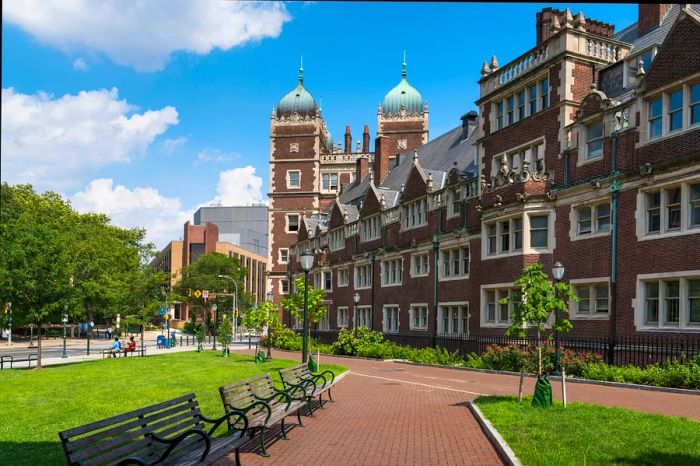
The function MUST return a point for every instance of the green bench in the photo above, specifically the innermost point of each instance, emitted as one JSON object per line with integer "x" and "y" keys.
{"x": 314, "y": 385}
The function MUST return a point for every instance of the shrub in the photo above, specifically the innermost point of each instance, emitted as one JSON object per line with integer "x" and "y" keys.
{"x": 351, "y": 342}
{"x": 680, "y": 374}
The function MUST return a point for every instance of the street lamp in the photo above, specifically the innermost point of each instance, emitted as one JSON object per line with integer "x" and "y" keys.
{"x": 216, "y": 321}
{"x": 269, "y": 340}
{"x": 64, "y": 319}
{"x": 307, "y": 262}
{"x": 9, "y": 335}
{"x": 234, "y": 321}
{"x": 92, "y": 324}
{"x": 356, "y": 300}
{"x": 558, "y": 272}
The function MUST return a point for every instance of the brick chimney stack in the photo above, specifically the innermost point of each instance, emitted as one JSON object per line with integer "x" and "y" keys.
{"x": 381, "y": 158}
{"x": 365, "y": 140}
{"x": 348, "y": 140}
{"x": 649, "y": 16}
{"x": 361, "y": 168}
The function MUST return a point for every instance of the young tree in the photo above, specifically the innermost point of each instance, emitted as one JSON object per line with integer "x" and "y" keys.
{"x": 224, "y": 333}
{"x": 294, "y": 302}
{"x": 263, "y": 315}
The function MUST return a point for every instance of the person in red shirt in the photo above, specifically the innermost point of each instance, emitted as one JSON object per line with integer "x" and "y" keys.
{"x": 130, "y": 347}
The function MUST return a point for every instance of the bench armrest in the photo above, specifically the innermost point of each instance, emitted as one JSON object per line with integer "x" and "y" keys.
{"x": 227, "y": 417}
{"x": 175, "y": 441}
{"x": 323, "y": 374}
{"x": 245, "y": 409}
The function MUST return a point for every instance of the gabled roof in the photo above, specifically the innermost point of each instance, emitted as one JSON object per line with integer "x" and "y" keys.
{"x": 655, "y": 37}
{"x": 354, "y": 193}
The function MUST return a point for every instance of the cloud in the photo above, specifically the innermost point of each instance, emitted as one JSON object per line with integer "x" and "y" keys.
{"x": 80, "y": 65}
{"x": 54, "y": 143}
{"x": 163, "y": 217}
{"x": 169, "y": 145}
{"x": 239, "y": 186}
{"x": 143, "y": 34}
{"x": 216, "y": 156}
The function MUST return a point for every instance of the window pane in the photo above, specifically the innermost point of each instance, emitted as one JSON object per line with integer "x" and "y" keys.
{"x": 654, "y": 212}
{"x": 538, "y": 231}
{"x": 694, "y": 301}
{"x": 517, "y": 233}
{"x": 584, "y": 304}
{"x": 584, "y": 220}
{"x": 695, "y": 103}
{"x": 601, "y": 298}
{"x": 655, "y": 107}
{"x": 672, "y": 301}
{"x": 673, "y": 210}
{"x": 694, "y": 205}
{"x": 544, "y": 91}
{"x": 603, "y": 217}
{"x": 675, "y": 100}
{"x": 652, "y": 302}
{"x": 533, "y": 99}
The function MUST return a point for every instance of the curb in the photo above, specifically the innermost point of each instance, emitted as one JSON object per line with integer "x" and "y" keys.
{"x": 502, "y": 448}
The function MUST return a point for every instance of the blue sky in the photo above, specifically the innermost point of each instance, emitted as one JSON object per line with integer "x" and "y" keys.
{"x": 175, "y": 103}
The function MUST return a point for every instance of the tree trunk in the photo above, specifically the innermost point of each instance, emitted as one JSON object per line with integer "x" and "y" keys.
{"x": 38, "y": 355}
{"x": 539, "y": 354}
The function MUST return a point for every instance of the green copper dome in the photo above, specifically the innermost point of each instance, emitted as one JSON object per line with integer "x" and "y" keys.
{"x": 403, "y": 95}
{"x": 299, "y": 100}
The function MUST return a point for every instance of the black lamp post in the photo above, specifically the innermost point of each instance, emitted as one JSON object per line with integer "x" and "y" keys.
{"x": 356, "y": 300}
{"x": 31, "y": 335}
{"x": 307, "y": 262}
{"x": 64, "y": 319}
{"x": 91, "y": 325}
{"x": 216, "y": 319}
{"x": 269, "y": 340}
{"x": 558, "y": 272}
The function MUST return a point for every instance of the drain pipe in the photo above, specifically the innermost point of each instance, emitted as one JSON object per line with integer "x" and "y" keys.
{"x": 566, "y": 166}
{"x": 615, "y": 191}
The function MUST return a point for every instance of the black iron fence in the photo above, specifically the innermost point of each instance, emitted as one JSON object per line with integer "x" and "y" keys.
{"x": 638, "y": 350}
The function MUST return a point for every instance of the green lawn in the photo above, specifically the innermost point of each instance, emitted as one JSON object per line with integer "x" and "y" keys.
{"x": 36, "y": 404}
{"x": 586, "y": 434}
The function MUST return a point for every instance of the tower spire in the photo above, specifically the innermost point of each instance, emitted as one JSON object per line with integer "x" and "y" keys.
{"x": 301, "y": 70}
{"x": 403, "y": 65}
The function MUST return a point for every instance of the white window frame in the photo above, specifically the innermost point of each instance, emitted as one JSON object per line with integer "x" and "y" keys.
{"x": 591, "y": 283}
{"x": 684, "y": 278}
{"x": 590, "y": 140}
{"x": 336, "y": 239}
{"x": 298, "y": 223}
{"x": 685, "y": 110}
{"x": 526, "y": 248}
{"x": 386, "y": 310}
{"x": 388, "y": 265}
{"x": 455, "y": 199}
{"x": 339, "y": 320}
{"x": 325, "y": 323}
{"x": 289, "y": 179}
{"x": 357, "y": 273}
{"x": 528, "y": 151}
{"x": 323, "y": 281}
{"x": 501, "y": 290}
{"x": 281, "y": 255}
{"x": 362, "y": 317}
{"x": 643, "y": 206}
{"x": 343, "y": 272}
{"x": 419, "y": 256}
{"x": 370, "y": 226}
{"x": 593, "y": 206}
{"x": 330, "y": 176}
{"x": 459, "y": 251}
{"x": 463, "y": 315}
{"x": 415, "y": 214}
{"x": 282, "y": 282}
{"x": 412, "y": 313}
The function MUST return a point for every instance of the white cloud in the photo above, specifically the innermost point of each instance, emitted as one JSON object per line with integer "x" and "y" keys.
{"x": 239, "y": 186}
{"x": 216, "y": 156}
{"x": 55, "y": 143}
{"x": 163, "y": 217}
{"x": 143, "y": 34}
{"x": 80, "y": 65}
{"x": 169, "y": 145}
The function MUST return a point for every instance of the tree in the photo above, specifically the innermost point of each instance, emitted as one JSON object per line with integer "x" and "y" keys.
{"x": 294, "y": 302}
{"x": 224, "y": 333}
{"x": 534, "y": 303}
{"x": 263, "y": 315}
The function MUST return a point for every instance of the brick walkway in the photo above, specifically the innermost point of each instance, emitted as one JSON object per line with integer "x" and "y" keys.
{"x": 392, "y": 413}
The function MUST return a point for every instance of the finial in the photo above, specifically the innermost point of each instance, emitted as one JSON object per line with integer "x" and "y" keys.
{"x": 429, "y": 184}
{"x": 382, "y": 202}
{"x": 580, "y": 21}
{"x": 403, "y": 65}
{"x": 415, "y": 155}
{"x": 556, "y": 25}
{"x": 640, "y": 68}
{"x": 485, "y": 69}
{"x": 568, "y": 18}
{"x": 494, "y": 63}
{"x": 301, "y": 70}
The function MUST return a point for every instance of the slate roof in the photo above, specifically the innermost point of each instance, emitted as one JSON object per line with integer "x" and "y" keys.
{"x": 353, "y": 213}
{"x": 655, "y": 37}
{"x": 354, "y": 193}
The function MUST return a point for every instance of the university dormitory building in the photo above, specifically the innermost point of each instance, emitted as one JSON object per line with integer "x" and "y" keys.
{"x": 585, "y": 150}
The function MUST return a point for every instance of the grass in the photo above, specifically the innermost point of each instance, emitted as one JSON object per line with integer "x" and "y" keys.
{"x": 584, "y": 434}
{"x": 37, "y": 404}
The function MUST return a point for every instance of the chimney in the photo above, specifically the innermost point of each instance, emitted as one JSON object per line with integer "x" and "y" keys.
{"x": 381, "y": 158}
{"x": 469, "y": 121}
{"x": 348, "y": 140}
{"x": 649, "y": 17}
{"x": 543, "y": 23}
{"x": 361, "y": 168}
{"x": 365, "y": 140}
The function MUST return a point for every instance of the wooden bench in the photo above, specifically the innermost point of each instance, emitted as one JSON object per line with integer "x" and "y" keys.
{"x": 313, "y": 384}
{"x": 108, "y": 352}
{"x": 172, "y": 432}
{"x": 263, "y": 403}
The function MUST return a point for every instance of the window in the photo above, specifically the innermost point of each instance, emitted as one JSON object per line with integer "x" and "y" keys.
{"x": 531, "y": 155}
{"x": 675, "y": 111}
{"x": 521, "y": 105}
{"x": 538, "y": 231}
{"x": 499, "y": 115}
{"x": 456, "y": 195}
{"x": 292, "y": 222}
{"x": 675, "y": 209}
{"x": 370, "y": 228}
{"x": 298, "y": 323}
{"x": 655, "y": 123}
{"x": 593, "y": 302}
{"x": 454, "y": 318}
{"x": 544, "y": 94}
{"x": 455, "y": 262}
{"x": 505, "y": 235}
{"x": 511, "y": 110}
{"x": 695, "y": 104}
{"x": 392, "y": 272}
{"x": 647, "y": 58}
{"x": 343, "y": 277}
{"x": 342, "y": 317}
{"x": 532, "y": 93}
{"x": 293, "y": 179}
{"x": 492, "y": 239}
{"x": 284, "y": 255}
{"x": 419, "y": 265}
{"x": 391, "y": 319}
{"x": 330, "y": 181}
{"x": 537, "y": 156}
{"x": 517, "y": 233}
{"x": 495, "y": 313}
{"x": 324, "y": 323}
{"x": 328, "y": 280}
{"x": 594, "y": 140}
{"x": 415, "y": 214}
{"x": 336, "y": 239}
{"x": 671, "y": 302}
{"x": 593, "y": 219}
{"x": 363, "y": 316}
{"x": 285, "y": 286}
{"x": 419, "y": 317}
{"x": 363, "y": 276}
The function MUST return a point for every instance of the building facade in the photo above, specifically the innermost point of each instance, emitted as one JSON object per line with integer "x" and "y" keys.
{"x": 243, "y": 226}
{"x": 585, "y": 150}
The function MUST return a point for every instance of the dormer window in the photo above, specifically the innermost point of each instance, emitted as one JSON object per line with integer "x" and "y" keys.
{"x": 594, "y": 140}
{"x": 675, "y": 110}
{"x": 655, "y": 111}
{"x": 415, "y": 214}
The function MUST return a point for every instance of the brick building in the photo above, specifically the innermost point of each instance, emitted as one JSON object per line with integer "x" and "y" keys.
{"x": 585, "y": 150}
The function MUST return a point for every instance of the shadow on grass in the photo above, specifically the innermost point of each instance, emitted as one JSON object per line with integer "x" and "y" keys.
{"x": 649, "y": 458}
{"x": 32, "y": 453}
{"x": 496, "y": 399}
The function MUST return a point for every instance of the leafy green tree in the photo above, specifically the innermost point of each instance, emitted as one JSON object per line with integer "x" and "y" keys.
{"x": 224, "y": 333}
{"x": 294, "y": 302}
{"x": 535, "y": 302}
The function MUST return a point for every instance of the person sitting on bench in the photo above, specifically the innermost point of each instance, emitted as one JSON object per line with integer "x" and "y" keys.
{"x": 130, "y": 347}
{"x": 116, "y": 347}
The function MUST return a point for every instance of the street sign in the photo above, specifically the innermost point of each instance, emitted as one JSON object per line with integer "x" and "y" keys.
{"x": 197, "y": 293}
{"x": 205, "y": 294}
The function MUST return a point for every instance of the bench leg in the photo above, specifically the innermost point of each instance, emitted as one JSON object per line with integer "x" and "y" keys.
{"x": 238, "y": 456}
{"x": 284, "y": 431}
{"x": 301, "y": 424}
{"x": 330, "y": 397}
{"x": 320, "y": 400}
{"x": 310, "y": 405}
{"x": 262, "y": 442}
